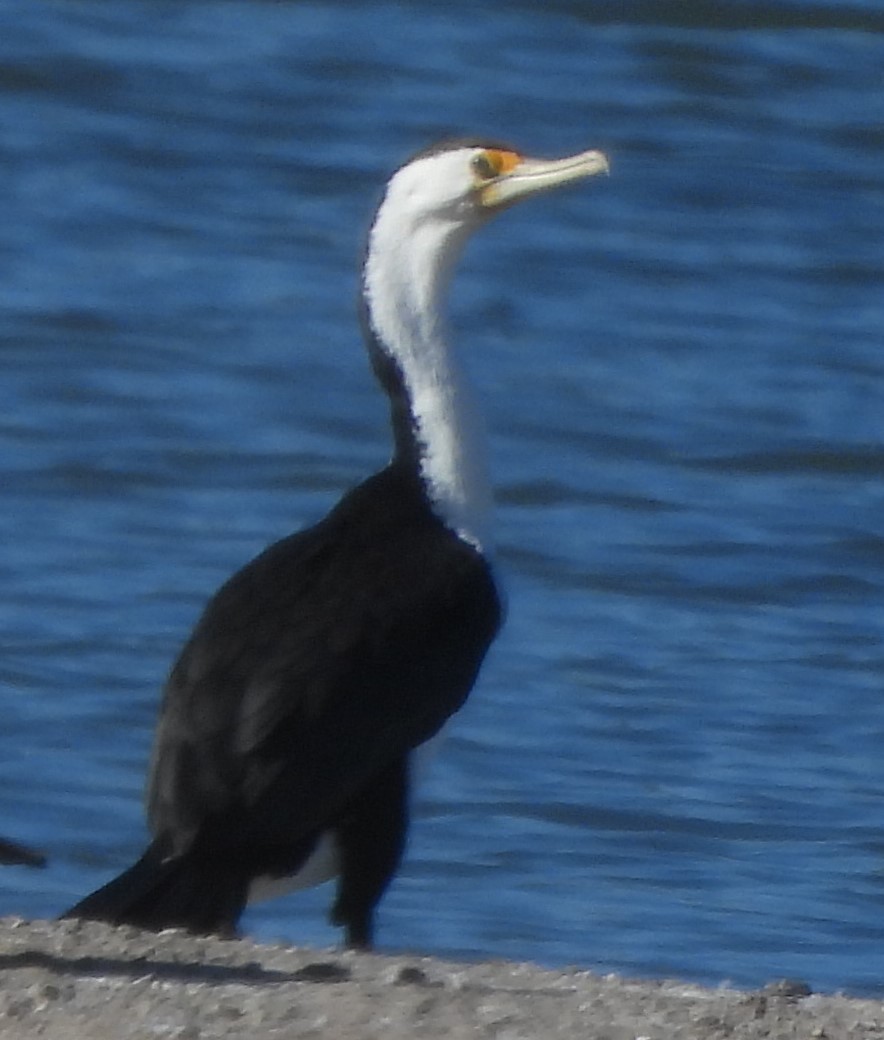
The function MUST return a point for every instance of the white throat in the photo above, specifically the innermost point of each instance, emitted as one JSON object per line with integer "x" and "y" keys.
{"x": 406, "y": 276}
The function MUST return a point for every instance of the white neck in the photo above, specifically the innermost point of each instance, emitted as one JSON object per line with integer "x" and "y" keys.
{"x": 405, "y": 279}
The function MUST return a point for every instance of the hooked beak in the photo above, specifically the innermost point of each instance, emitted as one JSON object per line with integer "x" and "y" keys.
{"x": 530, "y": 176}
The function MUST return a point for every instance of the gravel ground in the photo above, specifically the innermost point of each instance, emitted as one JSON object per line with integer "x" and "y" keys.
{"x": 84, "y": 981}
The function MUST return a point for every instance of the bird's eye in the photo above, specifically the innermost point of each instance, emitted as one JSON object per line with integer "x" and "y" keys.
{"x": 483, "y": 166}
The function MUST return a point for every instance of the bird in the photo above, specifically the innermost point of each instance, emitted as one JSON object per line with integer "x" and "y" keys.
{"x": 12, "y": 853}
{"x": 318, "y": 679}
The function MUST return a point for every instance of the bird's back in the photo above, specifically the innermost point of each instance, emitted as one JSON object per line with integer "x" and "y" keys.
{"x": 329, "y": 654}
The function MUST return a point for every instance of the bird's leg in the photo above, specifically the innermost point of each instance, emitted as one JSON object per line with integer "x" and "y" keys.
{"x": 371, "y": 840}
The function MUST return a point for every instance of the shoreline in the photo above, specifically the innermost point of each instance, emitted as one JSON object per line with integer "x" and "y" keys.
{"x": 77, "y": 980}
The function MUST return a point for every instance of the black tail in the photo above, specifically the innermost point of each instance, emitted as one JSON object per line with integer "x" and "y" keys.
{"x": 12, "y": 852}
{"x": 157, "y": 893}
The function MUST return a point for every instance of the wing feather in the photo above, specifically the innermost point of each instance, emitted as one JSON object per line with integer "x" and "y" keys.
{"x": 334, "y": 650}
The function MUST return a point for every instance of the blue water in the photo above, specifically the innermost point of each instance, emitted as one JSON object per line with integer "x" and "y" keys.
{"x": 673, "y": 762}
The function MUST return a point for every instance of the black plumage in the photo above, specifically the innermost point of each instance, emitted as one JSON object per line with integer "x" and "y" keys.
{"x": 312, "y": 674}
{"x": 289, "y": 724}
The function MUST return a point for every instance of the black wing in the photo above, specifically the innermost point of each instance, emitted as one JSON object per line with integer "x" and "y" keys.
{"x": 329, "y": 655}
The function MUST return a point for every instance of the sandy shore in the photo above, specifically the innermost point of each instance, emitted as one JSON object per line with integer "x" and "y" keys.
{"x": 79, "y": 981}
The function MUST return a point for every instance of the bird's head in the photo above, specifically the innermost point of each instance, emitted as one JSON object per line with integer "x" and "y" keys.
{"x": 431, "y": 206}
{"x": 462, "y": 183}
{"x": 429, "y": 209}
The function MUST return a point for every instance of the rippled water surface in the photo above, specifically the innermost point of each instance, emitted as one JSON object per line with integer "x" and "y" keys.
{"x": 673, "y": 761}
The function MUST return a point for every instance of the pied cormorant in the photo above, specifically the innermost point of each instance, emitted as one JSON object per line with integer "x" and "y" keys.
{"x": 283, "y": 752}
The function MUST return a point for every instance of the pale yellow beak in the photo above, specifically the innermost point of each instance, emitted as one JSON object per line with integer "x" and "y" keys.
{"x": 530, "y": 176}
